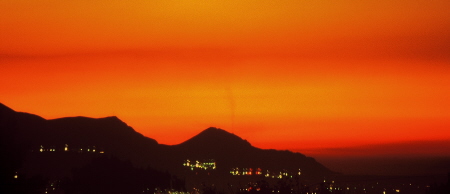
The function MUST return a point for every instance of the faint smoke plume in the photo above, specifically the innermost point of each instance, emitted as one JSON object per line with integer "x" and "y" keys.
{"x": 232, "y": 105}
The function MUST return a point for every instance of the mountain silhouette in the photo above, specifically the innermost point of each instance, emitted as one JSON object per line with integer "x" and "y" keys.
{"x": 215, "y": 137}
{"x": 107, "y": 133}
{"x": 114, "y": 137}
{"x": 224, "y": 146}
{"x": 209, "y": 142}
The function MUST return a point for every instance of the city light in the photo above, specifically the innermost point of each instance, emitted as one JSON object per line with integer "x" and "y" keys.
{"x": 91, "y": 149}
{"x": 209, "y": 164}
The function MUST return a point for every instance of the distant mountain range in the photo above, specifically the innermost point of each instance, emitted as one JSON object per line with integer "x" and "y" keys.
{"x": 214, "y": 153}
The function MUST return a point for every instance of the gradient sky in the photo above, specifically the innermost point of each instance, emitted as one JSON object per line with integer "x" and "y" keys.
{"x": 309, "y": 76}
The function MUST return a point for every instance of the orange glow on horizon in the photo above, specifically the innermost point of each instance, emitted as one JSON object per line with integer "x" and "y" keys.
{"x": 286, "y": 75}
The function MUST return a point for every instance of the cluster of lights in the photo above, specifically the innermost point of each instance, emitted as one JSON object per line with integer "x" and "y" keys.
{"x": 245, "y": 171}
{"x": 258, "y": 171}
{"x": 52, "y": 186}
{"x": 205, "y": 165}
{"x": 42, "y": 149}
{"x": 66, "y": 149}
{"x": 251, "y": 187}
{"x": 364, "y": 189}
{"x": 165, "y": 191}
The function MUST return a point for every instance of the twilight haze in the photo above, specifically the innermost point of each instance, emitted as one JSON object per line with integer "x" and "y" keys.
{"x": 319, "y": 77}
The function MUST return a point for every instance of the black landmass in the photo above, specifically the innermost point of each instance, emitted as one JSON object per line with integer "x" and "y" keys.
{"x": 105, "y": 155}
{"x": 53, "y": 148}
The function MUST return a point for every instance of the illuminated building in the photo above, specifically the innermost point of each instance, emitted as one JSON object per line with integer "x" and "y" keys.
{"x": 258, "y": 171}
{"x": 209, "y": 164}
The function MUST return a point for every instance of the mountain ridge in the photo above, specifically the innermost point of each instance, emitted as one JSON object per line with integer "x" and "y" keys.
{"x": 115, "y": 137}
{"x": 214, "y": 137}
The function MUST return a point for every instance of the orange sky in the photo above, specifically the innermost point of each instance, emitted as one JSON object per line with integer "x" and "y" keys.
{"x": 298, "y": 75}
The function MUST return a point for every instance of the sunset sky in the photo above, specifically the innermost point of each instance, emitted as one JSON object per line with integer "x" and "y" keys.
{"x": 313, "y": 76}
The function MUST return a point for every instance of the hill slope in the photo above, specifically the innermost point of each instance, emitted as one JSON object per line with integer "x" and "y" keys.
{"x": 113, "y": 136}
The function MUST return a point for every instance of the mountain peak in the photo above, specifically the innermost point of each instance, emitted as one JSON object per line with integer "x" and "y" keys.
{"x": 214, "y": 137}
{"x": 112, "y": 119}
{"x": 215, "y": 131}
